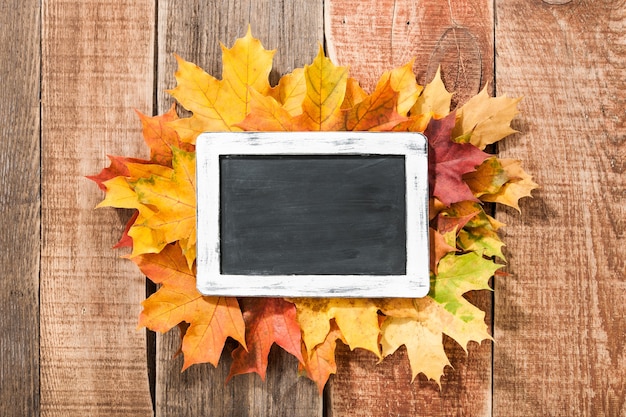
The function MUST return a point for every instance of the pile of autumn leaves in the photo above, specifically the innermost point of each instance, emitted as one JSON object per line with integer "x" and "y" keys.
{"x": 465, "y": 248}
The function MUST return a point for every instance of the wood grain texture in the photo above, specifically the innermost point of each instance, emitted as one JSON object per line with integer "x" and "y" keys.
{"x": 560, "y": 320}
{"x": 374, "y": 36}
{"x": 193, "y": 30}
{"x": 19, "y": 207}
{"x": 371, "y": 37}
{"x": 98, "y": 66}
{"x": 201, "y": 389}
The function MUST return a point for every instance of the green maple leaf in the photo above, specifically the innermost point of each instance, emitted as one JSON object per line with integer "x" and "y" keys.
{"x": 458, "y": 274}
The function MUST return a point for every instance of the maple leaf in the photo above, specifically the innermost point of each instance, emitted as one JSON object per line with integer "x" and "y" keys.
{"x": 354, "y": 94}
{"x": 423, "y": 343}
{"x": 486, "y": 120}
{"x": 448, "y": 161}
{"x": 325, "y": 91}
{"x": 483, "y": 240}
{"x": 520, "y": 185}
{"x": 218, "y": 105}
{"x": 457, "y": 275}
{"x": 290, "y": 91}
{"x": 376, "y": 112}
{"x": 268, "y": 321}
{"x": 161, "y": 137}
{"x": 488, "y": 178}
{"x": 117, "y": 168}
{"x": 434, "y": 101}
{"x": 479, "y": 235}
{"x": 320, "y": 364}
{"x": 357, "y": 319}
{"x": 173, "y": 201}
{"x": 440, "y": 245}
{"x": 120, "y": 194}
{"x": 457, "y": 216}
{"x": 267, "y": 115}
{"x": 402, "y": 80}
{"x": 211, "y": 319}
{"x": 419, "y": 325}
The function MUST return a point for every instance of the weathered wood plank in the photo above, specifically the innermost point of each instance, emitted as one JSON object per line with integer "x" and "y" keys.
{"x": 374, "y": 36}
{"x": 371, "y": 37}
{"x": 98, "y": 66}
{"x": 193, "y": 30}
{"x": 19, "y": 207}
{"x": 561, "y": 318}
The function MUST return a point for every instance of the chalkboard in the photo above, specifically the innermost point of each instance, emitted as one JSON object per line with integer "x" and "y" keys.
{"x": 312, "y": 214}
{"x": 299, "y": 215}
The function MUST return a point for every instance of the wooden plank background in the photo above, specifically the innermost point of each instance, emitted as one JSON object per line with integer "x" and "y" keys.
{"x": 19, "y": 207}
{"x": 72, "y": 73}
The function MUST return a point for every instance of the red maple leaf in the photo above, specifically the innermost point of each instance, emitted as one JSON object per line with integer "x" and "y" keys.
{"x": 448, "y": 161}
{"x": 117, "y": 168}
{"x": 268, "y": 321}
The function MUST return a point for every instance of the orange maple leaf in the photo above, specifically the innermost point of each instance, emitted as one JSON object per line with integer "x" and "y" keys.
{"x": 161, "y": 137}
{"x": 376, "y": 112}
{"x": 268, "y": 321}
{"x": 320, "y": 363}
{"x": 402, "y": 80}
{"x": 488, "y": 178}
{"x": 440, "y": 245}
{"x": 354, "y": 94}
{"x": 211, "y": 319}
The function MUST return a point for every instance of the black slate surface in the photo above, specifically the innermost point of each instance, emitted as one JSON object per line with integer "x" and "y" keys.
{"x": 337, "y": 215}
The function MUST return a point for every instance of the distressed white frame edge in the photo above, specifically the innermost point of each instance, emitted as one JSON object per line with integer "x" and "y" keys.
{"x": 413, "y": 146}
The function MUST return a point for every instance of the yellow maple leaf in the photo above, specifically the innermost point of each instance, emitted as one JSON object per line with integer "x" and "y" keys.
{"x": 218, "y": 105}
{"x": 357, "y": 319}
{"x": 520, "y": 185}
{"x": 267, "y": 115}
{"x": 173, "y": 201}
{"x": 290, "y": 91}
{"x": 435, "y": 99}
{"x": 121, "y": 194}
{"x": 419, "y": 324}
{"x": 485, "y": 119}
{"x": 325, "y": 92}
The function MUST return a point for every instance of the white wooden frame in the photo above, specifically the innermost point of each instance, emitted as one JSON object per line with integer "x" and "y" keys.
{"x": 412, "y": 146}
